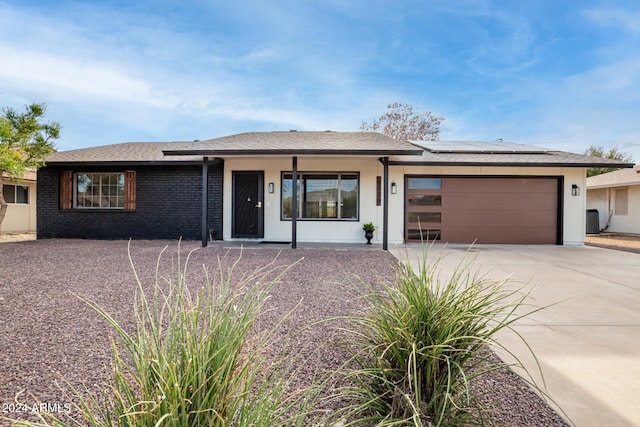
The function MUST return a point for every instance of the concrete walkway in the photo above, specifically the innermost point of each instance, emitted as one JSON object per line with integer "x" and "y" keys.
{"x": 588, "y": 344}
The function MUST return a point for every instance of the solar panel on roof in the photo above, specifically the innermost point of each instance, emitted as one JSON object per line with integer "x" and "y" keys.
{"x": 496, "y": 147}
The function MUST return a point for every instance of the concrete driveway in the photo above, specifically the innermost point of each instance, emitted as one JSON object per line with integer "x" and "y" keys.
{"x": 588, "y": 344}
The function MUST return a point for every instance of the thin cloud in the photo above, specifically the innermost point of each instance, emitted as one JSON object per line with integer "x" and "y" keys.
{"x": 58, "y": 74}
{"x": 621, "y": 19}
{"x": 180, "y": 71}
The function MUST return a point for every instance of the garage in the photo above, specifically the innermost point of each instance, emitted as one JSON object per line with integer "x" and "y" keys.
{"x": 481, "y": 209}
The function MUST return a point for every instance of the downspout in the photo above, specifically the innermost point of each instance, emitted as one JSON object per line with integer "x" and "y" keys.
{"x": 609, "y": 210}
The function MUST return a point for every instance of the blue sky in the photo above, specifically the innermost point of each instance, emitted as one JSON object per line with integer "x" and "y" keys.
{"x": 557, "y": 74}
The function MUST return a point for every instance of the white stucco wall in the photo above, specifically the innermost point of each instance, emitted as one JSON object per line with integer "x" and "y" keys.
{"x": 574, "y": 206}
{"x": 21, "y": 217}
{"x": 276, "y": 229}
{"x": 599, "y": 199}
{"x": 604, "y": 199}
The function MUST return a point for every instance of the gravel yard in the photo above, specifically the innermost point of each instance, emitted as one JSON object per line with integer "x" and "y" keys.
{"x": 49, "y": 336}
{"x": 622, "y": 242}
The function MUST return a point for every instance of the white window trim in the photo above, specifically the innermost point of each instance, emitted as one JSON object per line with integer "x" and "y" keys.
{"x": 75, "y": 191}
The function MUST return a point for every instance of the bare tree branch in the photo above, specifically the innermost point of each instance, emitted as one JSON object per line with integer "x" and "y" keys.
{"x": 401, "y": 122}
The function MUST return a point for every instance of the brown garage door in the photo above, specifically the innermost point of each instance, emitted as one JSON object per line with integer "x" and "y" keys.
{"x": 482, "y": 210}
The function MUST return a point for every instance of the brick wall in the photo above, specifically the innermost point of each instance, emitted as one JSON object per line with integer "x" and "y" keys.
{"x": 168, "y": 206}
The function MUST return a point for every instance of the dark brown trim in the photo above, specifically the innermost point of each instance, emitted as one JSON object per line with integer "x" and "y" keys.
{"x": 130, "y": 190}
{"x": 66, "y": 190}
{"x": 560, "y": 228}
{"x": 212, "y": 162}
{"x": 507, "y": 164}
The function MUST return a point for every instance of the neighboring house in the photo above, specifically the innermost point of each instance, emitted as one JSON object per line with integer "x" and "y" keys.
{"x": 21, "y": 200}
{"x": 616, "y": 196}
{"x": 316, "y": 187}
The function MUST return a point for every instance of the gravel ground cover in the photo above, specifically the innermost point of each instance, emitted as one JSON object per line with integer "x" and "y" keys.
{"x": 621, "y": 242}
{"x": 49, "y": 336}
{"x": 17, "y": 237}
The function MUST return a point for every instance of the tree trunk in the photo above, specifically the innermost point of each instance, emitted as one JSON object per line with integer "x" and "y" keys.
{"x": 3, "y": 204}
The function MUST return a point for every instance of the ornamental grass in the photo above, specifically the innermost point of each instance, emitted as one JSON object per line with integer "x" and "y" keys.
{"x": 193, "y": 360}
{"x": 422, "y": 342}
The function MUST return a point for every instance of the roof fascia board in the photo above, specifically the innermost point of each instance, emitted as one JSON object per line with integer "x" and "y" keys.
{"x": 292, "y": 152}
{"x": 520, "y": 164}
{"x": 131, "y": 163}
{"x": 612, "y": 185}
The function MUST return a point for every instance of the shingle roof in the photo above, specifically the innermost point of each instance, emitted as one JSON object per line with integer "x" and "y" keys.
{"x": 128, "y": 152}
{"x": 449, "y": 153}
{"x": 519, "y": 156}
{"x": 254, "y": 143}
{"x": 293, "y": 142}
{"x": 622, "y": 177}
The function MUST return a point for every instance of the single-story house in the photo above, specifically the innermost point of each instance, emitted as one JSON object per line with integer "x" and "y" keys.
{"x": 316, "y": 187}
{"x": 20, "y": 196}
{"x": 616, "y": 197}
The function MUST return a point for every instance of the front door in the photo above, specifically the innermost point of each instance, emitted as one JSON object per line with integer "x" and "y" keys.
{"x": 248, "y": 192}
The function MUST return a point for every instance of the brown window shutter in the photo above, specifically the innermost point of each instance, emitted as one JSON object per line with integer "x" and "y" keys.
{"x": 66, "y": 190}
{"x": 129, "y": 190}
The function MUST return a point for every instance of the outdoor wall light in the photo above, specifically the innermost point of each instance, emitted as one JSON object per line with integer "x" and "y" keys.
{"x": 394, "y": 188}
{"x": 271, "y": 187}
{"x": 575, "y": 190}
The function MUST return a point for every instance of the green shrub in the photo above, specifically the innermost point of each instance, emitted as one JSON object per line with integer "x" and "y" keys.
{"x": 422, "y": 342}
{"x": 194, "y": 361}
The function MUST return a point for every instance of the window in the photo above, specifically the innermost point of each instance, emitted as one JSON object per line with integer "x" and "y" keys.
{"x": 426, "y": 200}
{"x": 99, "y": 190}
{"x": 423, "y": 235}
{"x": 622, "y": 202}
{"x": 18, "y": 194}
{"x": 326, "y": 196}
{"x": 423, "y": 209}
{"x": 419, "y": 183}
{"x": 422, "y": 217}
{"x": 95, "y": 190}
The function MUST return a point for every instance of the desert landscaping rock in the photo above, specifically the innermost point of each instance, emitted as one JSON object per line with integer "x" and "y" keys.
{"x": 51, "y": 339}
{"x": 621, "y": 242}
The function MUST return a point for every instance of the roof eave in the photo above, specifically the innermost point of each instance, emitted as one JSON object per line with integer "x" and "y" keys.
{"x": 612, "y": 185}
{"x": 126, "y": 163}
{"x": 292, "y": 152}
{"x": 520, "y": 164}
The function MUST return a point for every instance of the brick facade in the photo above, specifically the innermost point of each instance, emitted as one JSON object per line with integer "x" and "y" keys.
{"x": 168, "y": 205}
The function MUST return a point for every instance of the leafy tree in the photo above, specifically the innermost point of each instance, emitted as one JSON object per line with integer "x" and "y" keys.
{"x": 613, "y": 153}
{"x": 401, "y": 122}
{"x": 25, "y": 142}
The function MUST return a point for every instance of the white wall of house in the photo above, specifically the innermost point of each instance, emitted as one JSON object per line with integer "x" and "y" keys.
{"x": 618, "y": 206}
{"x": 276, "y": 229}
{"x": 574, "y": 206}
{"x": 21, "y": 217}
{"x": 599, "y": 199}
{"x": 575, "y": 215}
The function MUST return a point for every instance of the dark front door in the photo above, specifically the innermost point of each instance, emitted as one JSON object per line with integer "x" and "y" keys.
{"x": 248, "y": 218}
